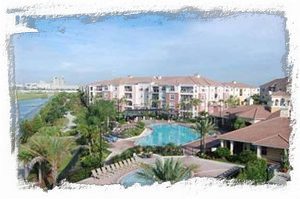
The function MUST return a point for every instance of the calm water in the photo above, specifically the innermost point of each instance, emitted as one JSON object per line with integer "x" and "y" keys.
{"x": 133, "y": 178}
{"x": 163, "y": 134}
{"x": 28, "y": 108}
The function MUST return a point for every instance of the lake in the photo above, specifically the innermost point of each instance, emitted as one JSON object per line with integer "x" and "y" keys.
{"x": 30, "y": 107}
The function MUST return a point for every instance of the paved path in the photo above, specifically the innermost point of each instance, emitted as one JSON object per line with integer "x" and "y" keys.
{"x": 70, "y": 123}
{"x": 193, "y": 147}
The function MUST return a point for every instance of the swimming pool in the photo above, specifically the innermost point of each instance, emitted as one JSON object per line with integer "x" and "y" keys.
{"x": 164, "y": 134}
{"x": 133, "y": 178}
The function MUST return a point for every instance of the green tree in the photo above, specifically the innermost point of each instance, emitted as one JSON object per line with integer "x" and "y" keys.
{"x": 256, "y": 99}
{"x": 232, "y": 101}
{"x": 195, "y": 103}
{"x": 255, "y": 171}
{"x": 167, "y": 170}
{"x": 26, "y": 130}
{"x": 204, "y": 127}
{"x": 239, "y": 123}
{"x": 55, "y": 151}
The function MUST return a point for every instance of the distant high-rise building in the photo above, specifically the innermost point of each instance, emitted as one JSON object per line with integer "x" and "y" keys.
{"x": 58, "y": 82}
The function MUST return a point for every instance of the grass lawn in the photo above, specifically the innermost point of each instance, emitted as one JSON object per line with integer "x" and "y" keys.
{"x": 31, "y": 95}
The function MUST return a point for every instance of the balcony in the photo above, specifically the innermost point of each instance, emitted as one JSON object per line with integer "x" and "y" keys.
{"x": 155, "y": 89}
{"x": 128, "y": 88}
{"x": 128, "y": 96}
{"x": 187, "y": 90}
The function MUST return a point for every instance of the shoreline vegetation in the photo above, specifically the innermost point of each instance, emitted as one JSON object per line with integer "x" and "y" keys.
{"x": 32, "y": 95}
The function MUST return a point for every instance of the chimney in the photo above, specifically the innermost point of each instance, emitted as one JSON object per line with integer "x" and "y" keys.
{"x": 197, "y": 75}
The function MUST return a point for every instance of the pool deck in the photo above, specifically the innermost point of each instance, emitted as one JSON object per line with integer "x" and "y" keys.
{"x": 205, "y": 168}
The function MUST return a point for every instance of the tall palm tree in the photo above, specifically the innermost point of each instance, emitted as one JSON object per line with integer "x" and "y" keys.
{"x": 166, "y": 170}
{"x": 51, "y": 150}
{"x": 184, "y": 106}
{"x": 195, "y": 103}
{"x": 120, "y": 103}
{"x": 204, "y": 127}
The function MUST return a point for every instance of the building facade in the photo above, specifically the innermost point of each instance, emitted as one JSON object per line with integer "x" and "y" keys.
{"x": 169, "y": 92}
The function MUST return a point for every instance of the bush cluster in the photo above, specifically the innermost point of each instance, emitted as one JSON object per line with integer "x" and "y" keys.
{"x": 168, "y": 150}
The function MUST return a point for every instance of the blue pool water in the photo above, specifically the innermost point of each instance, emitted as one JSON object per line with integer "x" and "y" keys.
{"x": 28, "y": 108}
{"x": 133, "y": 178}
{"x": 164, "y": 134}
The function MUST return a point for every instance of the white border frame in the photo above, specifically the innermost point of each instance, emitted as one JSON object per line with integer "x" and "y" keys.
{"x": 196, "y": 187}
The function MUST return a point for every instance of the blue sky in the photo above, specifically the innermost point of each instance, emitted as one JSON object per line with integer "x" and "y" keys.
{"x": 245, "y": 47}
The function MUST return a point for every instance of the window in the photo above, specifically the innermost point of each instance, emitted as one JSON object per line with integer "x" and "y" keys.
{"x": 172, "y": 97}
{"x": 282, "y": 102}
{"x": 276, "y": 102}
{"x": 172, "y": 88}
{"x": 264, "y": 150}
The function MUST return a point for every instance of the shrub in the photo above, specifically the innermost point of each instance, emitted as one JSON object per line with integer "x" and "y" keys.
{"x": 78, "y": 175}
{"x": 255, "y": 170}
{"x": 222, "y": 152}
{"x": 91, "y": 161}
{"x": 169, "y": 149}
{"x": 239, "y": 123}
{"x": 246, "y": 156}
{"x": 233, "y": 158}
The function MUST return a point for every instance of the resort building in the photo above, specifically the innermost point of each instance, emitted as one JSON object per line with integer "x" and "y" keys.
{"x": 176, "y": 93}
{"x": 276, "y": 85}
{"x": 267, "y": 128}
{"x": 268, "y": 138}
{"x": 251, "y": 114}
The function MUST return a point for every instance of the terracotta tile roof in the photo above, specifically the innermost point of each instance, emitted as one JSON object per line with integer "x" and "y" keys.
{"x": 250, "y": 112}
{"x": 274, "y": 115}
{"x": 237, "y": 85}
{"x": 280, "y": 83}
{"x": 273, "y": 132}
{"x": 164, "y": 80}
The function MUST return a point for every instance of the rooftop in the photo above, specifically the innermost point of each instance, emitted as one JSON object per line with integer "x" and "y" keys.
{"x": 257, "y": 112}
{"x": 169, "y": 80}
{"x": 279, "y": 83}
{"x": 274, "y": 132}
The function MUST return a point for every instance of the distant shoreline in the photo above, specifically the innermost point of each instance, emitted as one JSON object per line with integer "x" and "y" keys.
{"x": 31, "y": 95}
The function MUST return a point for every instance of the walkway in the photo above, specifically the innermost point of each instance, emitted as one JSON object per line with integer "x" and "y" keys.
{"x": 193, "y": 147}
{"x": 70, "y": 123}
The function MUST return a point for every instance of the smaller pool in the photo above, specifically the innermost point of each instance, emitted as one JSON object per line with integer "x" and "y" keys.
{"x": 133, "y": 178}
{"x": 164, "y": 134}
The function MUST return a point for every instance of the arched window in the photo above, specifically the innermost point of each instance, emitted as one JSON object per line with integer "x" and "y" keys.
{"x": 282, "y": 102}
{"x": 288, "y": 102}
{"x": 276, "y": 102}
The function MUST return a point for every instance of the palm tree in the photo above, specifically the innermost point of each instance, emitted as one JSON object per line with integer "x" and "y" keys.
{"x": 184, "y": 106}
{"x": 232, "y": 101}
{"x": 204, "y": 127}
{"x": 195, "y": 103}
{"x": 167, "y": 170}
{"x": 51, "y": 150}
{"x": 120, "y": 103}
